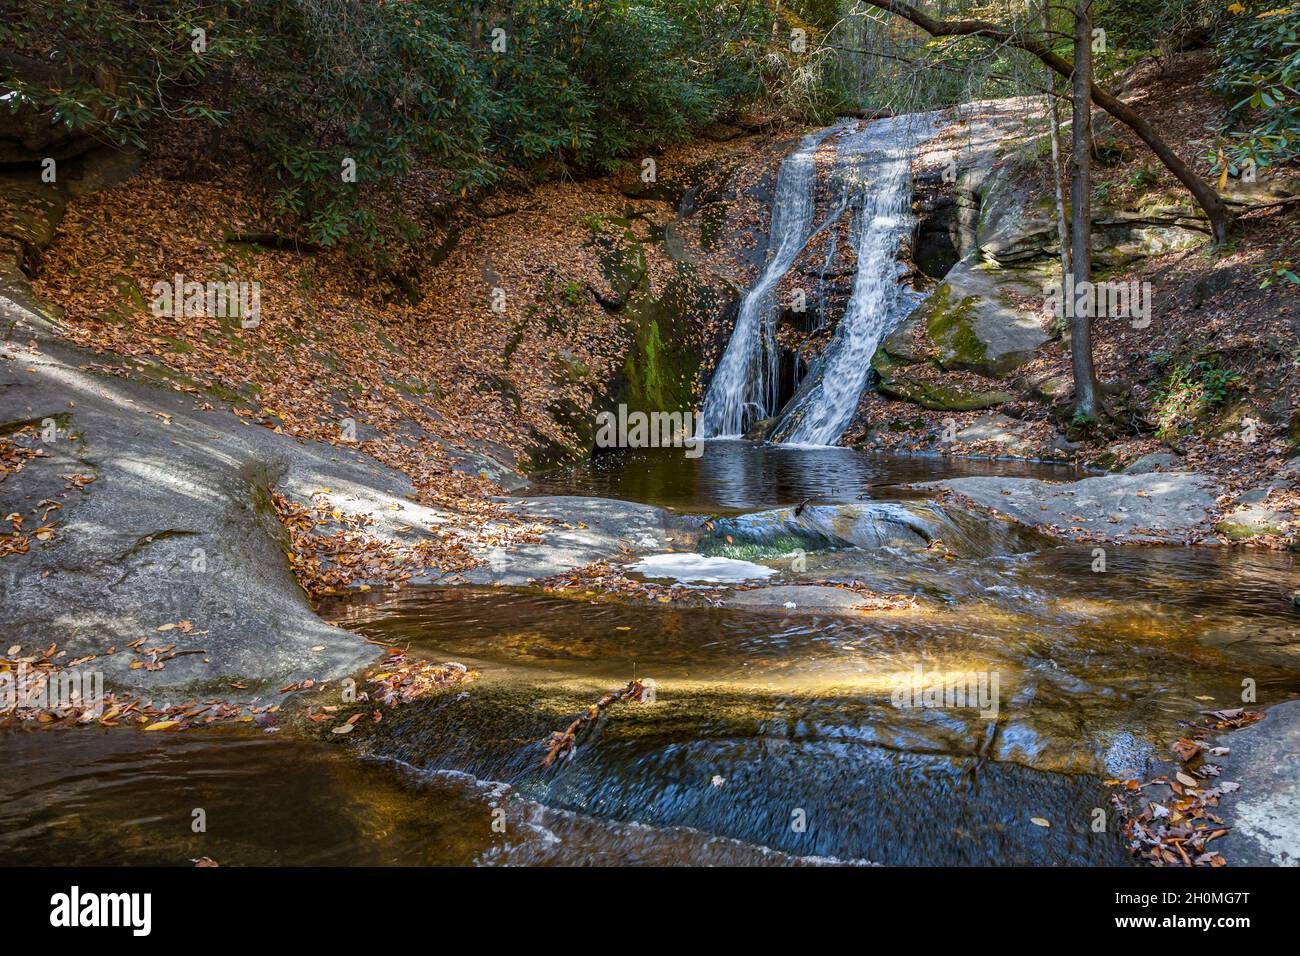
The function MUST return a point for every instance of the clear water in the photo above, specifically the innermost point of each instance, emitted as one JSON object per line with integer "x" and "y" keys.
{"x": 773, "y": 739}
{"x": 734, "y": 476}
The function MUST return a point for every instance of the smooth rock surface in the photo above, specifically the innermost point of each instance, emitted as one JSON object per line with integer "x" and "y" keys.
{"x": 587, "y": 530}
{"x": 1265, "y": 813}
{"x": 1156, "y": 461}
{"x": 1152, "y": 507}
{"x": 178, "y": 524}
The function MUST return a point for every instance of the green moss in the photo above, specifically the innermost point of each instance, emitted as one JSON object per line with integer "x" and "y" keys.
{"x": 664, "y": 352}
{"x": 777, "y": 547}
{"x": 949, "y": 325}
{"x": 1239, "y": 531}
{"x": 897, "y": 383}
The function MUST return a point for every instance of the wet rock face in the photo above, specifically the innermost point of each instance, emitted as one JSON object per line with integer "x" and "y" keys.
{"x": 681, "y": 324}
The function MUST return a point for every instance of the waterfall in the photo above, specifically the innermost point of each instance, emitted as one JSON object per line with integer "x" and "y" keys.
{"x": 744, "y": 386}
{"x": 876, "y": 161}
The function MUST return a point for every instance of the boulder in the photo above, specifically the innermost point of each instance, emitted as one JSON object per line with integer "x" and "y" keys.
{"x": 1151, "y": 507}
{"x": 1252, "y": 521}
{"x": 976, "y": 326}
{"x": 1264, "y": 758}
{"x": 1000, "y": 430}
{"x": 1156, "y": 461}
{"x": 897, "y": 382}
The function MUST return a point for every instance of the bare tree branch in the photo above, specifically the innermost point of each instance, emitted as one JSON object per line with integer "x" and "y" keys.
{"x": 1205, "y": 194}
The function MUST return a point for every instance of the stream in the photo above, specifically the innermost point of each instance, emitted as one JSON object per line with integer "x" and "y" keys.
{"x": 773, "y": 739}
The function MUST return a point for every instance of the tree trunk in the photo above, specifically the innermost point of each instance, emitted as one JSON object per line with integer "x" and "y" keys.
{"x": 1086, "y": 390}
{"x": 1062, "y": 233}
{"x": 1206, "y": 195}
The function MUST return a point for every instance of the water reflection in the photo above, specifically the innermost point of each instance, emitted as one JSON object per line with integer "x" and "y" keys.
{"x": 738, "y": 476}
{"x": 793, "y": 710}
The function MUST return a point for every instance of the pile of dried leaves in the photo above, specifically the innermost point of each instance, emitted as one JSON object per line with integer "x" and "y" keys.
{"x": 604, "y": 579}
{"x": 329, "y": 550}
{"x": 41, "y": 686}
{"x": 1171, "y": 821}
{"x": 397, "y": 679}
{"x": 400, "y": 680}
{"x": 20, "y": 540}
{"x": 14, "y": 455}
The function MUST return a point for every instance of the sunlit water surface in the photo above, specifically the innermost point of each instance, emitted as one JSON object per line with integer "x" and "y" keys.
{"x": 773, "y": 739}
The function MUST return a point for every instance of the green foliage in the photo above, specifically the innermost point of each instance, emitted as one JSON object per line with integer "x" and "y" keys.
{"x": 1259, "y": 71}
{"x": 1282, "y": 271}
{"x": 388, "y": 85}
{"x": 1136, "y": 29}
{"x": 1107, "y": 192}
{"x": 469, "y": 86}
{"x": 586, "y": 85}
{"x": 1144, "y": 176}
{"x": 108, "y": 68}
{"x": 1189, "y": 390}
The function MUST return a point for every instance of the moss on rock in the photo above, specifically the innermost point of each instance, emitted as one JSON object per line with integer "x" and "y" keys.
{"x": 898, "y": 383}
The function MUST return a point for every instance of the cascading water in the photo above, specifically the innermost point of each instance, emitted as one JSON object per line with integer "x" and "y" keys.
{"x": 744, "y": 386}
{"x": 877, "y": 164}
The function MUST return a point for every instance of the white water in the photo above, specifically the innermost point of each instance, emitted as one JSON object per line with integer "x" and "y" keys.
{"x": 877, "y": 161}
{"x": 744, "y": 386}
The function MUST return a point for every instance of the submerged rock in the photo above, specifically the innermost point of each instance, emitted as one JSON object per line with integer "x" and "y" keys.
{"x": 871, "y": 525}
{"x": 795, "y": 597}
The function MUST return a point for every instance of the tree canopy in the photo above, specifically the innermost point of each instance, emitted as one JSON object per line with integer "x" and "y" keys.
{"x": 339, "y": 100}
